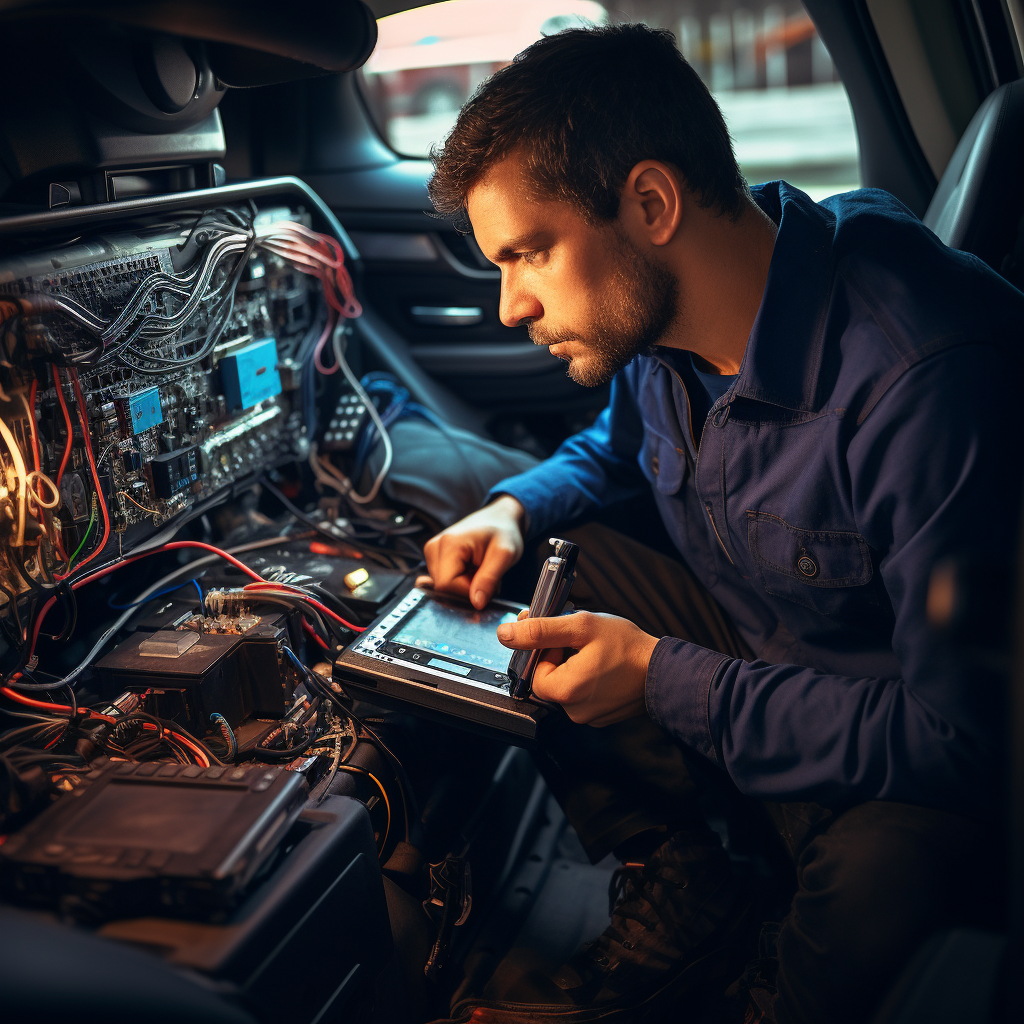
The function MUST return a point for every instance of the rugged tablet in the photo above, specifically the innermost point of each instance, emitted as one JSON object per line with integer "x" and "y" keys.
{"x": 438, "y": 657}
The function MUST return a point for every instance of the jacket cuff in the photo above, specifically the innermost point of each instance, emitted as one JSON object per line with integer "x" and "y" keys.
{"x": 533, "y": 494}
{"x": 679, "y": 679}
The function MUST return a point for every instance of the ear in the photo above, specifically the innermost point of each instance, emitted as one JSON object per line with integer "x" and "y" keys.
{"x": 652, "y": 202}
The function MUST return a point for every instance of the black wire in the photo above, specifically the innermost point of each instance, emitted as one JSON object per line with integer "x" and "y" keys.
{"x": 70, "y": 604}
{"x": 12, "y": 603}
{"x": 409, "y": 807}
{"x": 321, "y": 529}
{"x": 332, "y": 600}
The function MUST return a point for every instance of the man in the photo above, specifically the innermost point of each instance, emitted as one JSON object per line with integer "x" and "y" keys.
{"x": 817, "y": 395}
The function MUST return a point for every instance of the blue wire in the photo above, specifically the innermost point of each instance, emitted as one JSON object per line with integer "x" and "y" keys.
{"x": 200, "y": 589}
{"x": 298, "y": 664}
{"x": 226, "y": 731}
{"x": 399, "y": 406}
{"x": 159, "y": 593}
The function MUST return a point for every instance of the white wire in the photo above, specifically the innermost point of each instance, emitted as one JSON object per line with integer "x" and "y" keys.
{"x": 342, "y": 484}
{"x": 22, "y": 475}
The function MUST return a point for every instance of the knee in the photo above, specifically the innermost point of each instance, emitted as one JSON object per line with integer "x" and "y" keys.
{"x": 870, "y": 890}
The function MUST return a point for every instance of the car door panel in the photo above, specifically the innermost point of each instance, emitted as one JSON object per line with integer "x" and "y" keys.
{"x": 434, "y": 289}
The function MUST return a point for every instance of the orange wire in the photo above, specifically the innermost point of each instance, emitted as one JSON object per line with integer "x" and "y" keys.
{"x": 67, "y": 423}
{"x": 80, "y": 401}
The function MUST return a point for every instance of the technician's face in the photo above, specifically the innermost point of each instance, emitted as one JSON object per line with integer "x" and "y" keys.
{"x": 585, "y": 291}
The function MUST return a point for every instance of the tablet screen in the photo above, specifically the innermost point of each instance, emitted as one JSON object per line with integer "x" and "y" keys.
{"x": 457, "y": 632}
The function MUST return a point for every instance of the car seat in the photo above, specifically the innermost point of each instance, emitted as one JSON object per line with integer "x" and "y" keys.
{"x": 979, "y": 202}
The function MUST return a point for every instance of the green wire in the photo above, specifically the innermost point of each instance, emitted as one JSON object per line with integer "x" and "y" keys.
{"x": 88, "y": 531}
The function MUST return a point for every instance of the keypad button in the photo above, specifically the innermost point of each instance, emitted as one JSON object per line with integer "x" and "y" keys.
{"x": 265, "y": 781}
{"x": 149, "y": 768}
{"x": 215, "y": 773}
{"x": 237, "y": 774}
{"x": 192, "y": 771}
{"x": 54, "y": 849}
{"x": 126, "y": 768}
{"x": 133, "y": 858}
{"x": 169, "y": 770}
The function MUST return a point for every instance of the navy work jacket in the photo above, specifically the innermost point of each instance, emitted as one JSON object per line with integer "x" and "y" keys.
{"x": 871, "y": 432}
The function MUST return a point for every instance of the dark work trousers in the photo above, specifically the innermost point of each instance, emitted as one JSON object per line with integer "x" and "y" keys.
{"x": 872, "y": 881}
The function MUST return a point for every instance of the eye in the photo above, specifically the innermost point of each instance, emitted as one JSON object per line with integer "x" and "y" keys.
{"x": 535, "y": 257}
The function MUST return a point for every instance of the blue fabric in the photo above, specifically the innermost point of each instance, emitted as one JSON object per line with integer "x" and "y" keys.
{"x": 871, "y": 432}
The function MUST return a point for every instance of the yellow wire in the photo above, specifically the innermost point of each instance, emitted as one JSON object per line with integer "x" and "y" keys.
{"x": 151, "y": 511}
{"x": 383, "y": 793}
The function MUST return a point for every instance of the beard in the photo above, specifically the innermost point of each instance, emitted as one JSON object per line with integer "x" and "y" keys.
{"x": 639, "y": 304}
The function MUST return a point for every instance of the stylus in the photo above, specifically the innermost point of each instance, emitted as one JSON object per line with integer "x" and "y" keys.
{"x": 549, "y": 597}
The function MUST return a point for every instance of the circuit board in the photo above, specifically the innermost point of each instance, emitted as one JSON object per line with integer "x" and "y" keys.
{"x": 202, "y": 392}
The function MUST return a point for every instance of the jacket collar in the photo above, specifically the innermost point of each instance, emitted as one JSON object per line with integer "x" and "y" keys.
{"x": 783, "y": 356}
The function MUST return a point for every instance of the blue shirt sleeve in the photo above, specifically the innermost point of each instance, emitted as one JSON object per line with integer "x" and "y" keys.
{"x": 592, "y": 469}
{"x": 931, "y": 476}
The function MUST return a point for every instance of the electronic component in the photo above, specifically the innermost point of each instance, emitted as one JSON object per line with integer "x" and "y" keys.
{"x": 154, "y": 837}
{"x": 343, "y": 428}
{"x": 356, "y": 578}
{"x": 557, "y": 575}
{"x": 250, "y": 376}
{"x": 192, "y": 675}
{"x": 138, "y": 413}
{"x": 174, "y": 472}
{"x": 145, "y": 381}
{"x": 326, "y": 876}
{"x": 438, "y": 657}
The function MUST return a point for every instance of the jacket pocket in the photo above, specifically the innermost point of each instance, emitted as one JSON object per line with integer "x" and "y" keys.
{"x": 825, "y": 570}
{"x": 664, "y": 465}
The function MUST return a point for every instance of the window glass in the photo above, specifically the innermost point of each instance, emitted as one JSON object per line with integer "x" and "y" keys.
{"x": 788, "y": 113}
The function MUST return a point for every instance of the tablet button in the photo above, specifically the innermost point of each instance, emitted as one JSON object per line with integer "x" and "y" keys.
{"x": 401, "y": 650}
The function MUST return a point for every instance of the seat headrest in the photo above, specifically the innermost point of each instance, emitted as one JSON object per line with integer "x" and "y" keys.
{"x": 978, "y": 204}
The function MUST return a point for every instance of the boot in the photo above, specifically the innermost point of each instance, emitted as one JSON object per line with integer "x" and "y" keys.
{"x": 674, "y": 925}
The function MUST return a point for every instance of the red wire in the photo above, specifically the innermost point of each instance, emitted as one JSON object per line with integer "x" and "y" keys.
{"x": 314, "y": 634}
{"x": 100, "y": 573}
{"x": 332, "y": 322}
{"x": 80, "y": 401}
{"x": 59, "y": 708}
{"x": 285, "y": 589}
{"x": 67, "y": 423}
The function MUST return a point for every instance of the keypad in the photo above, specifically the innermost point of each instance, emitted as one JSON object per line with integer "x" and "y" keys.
{"x": 346, "y": 422}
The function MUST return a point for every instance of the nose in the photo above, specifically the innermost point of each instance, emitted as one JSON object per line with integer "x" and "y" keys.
{"x": 518, "y": 304}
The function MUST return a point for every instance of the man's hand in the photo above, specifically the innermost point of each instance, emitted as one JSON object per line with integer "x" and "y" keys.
{"x": 470, "y": 557}
{"x": 604, "y": 681}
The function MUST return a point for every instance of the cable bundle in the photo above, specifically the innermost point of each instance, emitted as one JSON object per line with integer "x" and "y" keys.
{"x": 319, "y": 256}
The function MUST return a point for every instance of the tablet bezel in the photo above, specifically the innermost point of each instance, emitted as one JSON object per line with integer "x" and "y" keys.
{"x": 378, "y": 676}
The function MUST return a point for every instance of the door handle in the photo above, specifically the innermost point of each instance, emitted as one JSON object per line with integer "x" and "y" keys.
{"x": 447, "y": 316}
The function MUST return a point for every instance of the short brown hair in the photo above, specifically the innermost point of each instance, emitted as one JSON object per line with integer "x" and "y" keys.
{"x": 586, "y": 106}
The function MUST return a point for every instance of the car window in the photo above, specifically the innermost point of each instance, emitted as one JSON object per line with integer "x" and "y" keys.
{"x": 788, "y": 113}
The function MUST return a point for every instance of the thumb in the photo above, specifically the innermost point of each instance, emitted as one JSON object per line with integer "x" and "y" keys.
{"x": 572, "y": 630}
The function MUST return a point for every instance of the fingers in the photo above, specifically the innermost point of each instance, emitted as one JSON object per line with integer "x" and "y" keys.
{"x": 498, "y": 556}
{"x": 560, "y": 631}
{"x": 448, "y": 557}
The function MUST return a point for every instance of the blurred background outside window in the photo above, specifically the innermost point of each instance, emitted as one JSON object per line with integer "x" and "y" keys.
{"x": 787, "y": 111}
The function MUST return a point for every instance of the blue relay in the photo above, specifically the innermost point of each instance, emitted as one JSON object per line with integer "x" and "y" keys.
{"x": 142, "y": 411}
{"x": 250, "y": 375}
